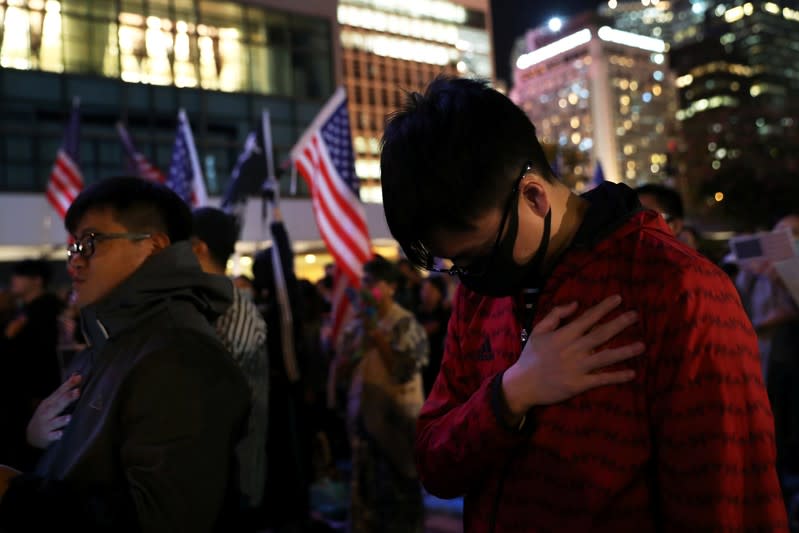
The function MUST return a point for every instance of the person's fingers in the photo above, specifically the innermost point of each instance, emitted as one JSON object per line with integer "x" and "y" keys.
{"x": 553, "y": 318}
{"x": 590, "y": 317}
{"x": 54, "y": 435}
{"x": 612, "y": 356}
{"x": 603, "y": 333}
{"x": 60, "y": 402}
{"x": 73, "y": 381}
{"x": 59, "y": 422}
{"x": 601, "y": 379}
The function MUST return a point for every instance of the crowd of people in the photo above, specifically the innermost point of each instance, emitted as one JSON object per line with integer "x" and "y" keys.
{"x": 584, "y": 366}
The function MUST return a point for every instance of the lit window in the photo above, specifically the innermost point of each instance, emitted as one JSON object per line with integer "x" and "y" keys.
{"x": 15, "y": 51}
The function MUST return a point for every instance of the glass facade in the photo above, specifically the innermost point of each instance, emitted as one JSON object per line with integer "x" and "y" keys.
{"x": 738, "y": 91}
{"x": 139, "y": 61}
{"x": 213, "y": 45}
{"x": 598, "y": 99}
{"x": 391, "y": 47}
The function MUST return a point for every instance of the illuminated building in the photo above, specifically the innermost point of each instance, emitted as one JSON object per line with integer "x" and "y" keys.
{"x": 599, "y": 94}
{"x": 739, "y": 94}
{"x": 391, "y": 47}
{"x": 140, "y": 61}
{"x": 676, "y": 22}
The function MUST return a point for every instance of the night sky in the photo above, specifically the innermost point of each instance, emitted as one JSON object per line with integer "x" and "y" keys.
{"x": 512, "y": 18}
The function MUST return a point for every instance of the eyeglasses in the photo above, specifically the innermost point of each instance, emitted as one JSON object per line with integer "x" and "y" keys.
{"x": 85, "y": 245}
{"x": 480, "y": 266}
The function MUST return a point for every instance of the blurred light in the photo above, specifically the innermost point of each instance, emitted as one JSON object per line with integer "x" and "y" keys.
{"x": 658, "y": 75}
{"x": 574, "y": 122}
{"x": 555, "y": 24}
{"x": 659, "y": 58}
{"x": 685, "y": 81}
{"x": 612, "y": 4}
{"x": 310, "y": 259}
{"x": 772, "y": 8}
{"x": 716, "y": 164}
{"x": 719, "y": 196}
{"x": 551, "y": 50}
{"x": 647, "y": 97}
{"x": 576, "y": 137}
{"x": 606, "y": 33}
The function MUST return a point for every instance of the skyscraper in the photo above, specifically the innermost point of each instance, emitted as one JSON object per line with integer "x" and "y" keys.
{"x": 676, "y": 22}
{"x": 394, "y": 46}
{"x": 598, "y": 94}
{"x": 739, "y": 97}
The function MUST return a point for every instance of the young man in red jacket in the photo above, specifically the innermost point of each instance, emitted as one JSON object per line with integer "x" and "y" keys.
{"x": 607, "y": 423}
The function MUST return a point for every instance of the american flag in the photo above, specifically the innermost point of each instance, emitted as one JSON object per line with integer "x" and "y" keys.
{"x": 136, "y": 160}
{"x": 325, "y": 159}
{"x": 253, "y": 171}
{"x": 66, "y": 180}
{"x": 185, "y": 175}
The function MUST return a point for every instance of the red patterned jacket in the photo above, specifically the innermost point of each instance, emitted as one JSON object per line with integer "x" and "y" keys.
{"x": 687, "y": 446}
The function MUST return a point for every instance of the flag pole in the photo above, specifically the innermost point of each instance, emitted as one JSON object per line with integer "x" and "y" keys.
{"x": 202, "y": 195}
{"x": 266, "y": 124}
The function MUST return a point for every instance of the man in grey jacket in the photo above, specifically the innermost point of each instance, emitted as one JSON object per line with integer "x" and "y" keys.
{"x": 147, "y": 444}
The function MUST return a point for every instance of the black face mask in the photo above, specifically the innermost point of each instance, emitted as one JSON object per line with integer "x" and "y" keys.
{"x": 501, "y": 276}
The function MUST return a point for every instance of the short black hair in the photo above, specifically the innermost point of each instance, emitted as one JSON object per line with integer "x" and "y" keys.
{"x": 139, "y": 205}
{"x": 381, "y": 269}
{"x": 448, "y": 156}
{"x": 33, "y": 268}
{"x": 667, "y": 198}
{"x": 218, "y": 230}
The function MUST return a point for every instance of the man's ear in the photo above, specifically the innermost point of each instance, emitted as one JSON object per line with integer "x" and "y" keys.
{"x": 677, "y": 225}
{"x": 536, "y": 194}
{"x": 160, "y": 241}
{"x": 199, "y": 248}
